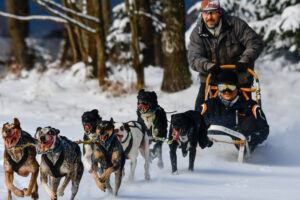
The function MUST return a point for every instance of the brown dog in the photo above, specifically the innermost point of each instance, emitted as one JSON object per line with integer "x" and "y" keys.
{"x": 19, "y": 160}
{"x": 109, "y": 153}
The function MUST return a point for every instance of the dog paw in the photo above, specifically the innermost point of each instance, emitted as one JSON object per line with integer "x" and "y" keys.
{"x": 102, "y": 179}
{"x": 160, "y": 164}
{"x": 102, "y": 187}
{"x": 175, "y": 173}
{"x": 19, "y": 193}
{"x": 26, "y": 192}
{"x": 53, "y": 196}
{"x": 147, "y": 177}
{"x": 60, "y": 192}
{"x": 34, "y": 195}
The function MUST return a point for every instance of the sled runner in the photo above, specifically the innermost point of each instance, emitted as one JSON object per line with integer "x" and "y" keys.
{"x": 240, "y": 141}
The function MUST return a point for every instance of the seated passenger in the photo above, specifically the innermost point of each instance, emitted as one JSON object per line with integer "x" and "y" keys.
{"x": 233, "y": 109}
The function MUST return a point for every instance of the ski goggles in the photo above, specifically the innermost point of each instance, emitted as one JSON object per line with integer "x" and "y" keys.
{"x": 224, "y": 87}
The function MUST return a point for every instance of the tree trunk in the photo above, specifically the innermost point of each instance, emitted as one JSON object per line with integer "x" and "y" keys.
{"x": 100, "y": 41}
{"x": 176, "y": 74}
{"x": 134, "y": 45}
{"x": 106, "y": 16}
{"x": 145, "y": 31}
{"x": 18, "y": 31}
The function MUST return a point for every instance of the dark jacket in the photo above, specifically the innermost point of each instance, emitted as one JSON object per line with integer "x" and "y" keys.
{"x": 251, "y": 119}
{"x": 236, "y": 42}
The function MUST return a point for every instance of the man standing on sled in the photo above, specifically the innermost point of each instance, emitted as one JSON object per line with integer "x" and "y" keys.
{"x": 233, "y": 109}
{"x": 220, "y": 39}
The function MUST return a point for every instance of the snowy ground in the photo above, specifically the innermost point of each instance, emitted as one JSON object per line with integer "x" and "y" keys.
{"x": 58, "y": 99}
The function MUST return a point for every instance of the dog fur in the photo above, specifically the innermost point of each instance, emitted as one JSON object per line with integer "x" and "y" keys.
{"x": 154, "y": 120}
{"x": 133, "y": 140}
{"x": 19, "y": 160}
{"x": 60, "y": 158}
{"x": 89, "y": 120}
{"x": 186, "y": 130}
{"x": 109, "y": 153}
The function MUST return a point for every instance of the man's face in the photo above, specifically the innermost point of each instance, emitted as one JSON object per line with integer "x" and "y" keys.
{"x": 211, "y": 18}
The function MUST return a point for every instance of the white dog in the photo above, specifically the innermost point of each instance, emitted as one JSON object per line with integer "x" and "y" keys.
{"x": 132, "y": 139}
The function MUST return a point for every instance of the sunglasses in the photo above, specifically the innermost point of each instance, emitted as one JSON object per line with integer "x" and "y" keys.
{"x": 224, "y": 87}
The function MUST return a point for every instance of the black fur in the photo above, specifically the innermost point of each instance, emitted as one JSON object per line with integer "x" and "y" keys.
{"x": 192, "y": 131}
{"x": 148, "y": 101}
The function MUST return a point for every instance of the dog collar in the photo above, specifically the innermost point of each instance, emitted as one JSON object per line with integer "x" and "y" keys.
{"x": 58, "y": 148}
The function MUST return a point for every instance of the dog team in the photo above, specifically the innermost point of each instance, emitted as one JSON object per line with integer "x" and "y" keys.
{"x": 106, "y": 146}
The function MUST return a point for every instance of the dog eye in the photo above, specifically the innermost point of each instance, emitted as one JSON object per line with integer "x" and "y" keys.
{"x": 122, "y": 128}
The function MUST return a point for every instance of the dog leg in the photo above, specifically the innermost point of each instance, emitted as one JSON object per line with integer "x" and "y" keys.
{"x": 158, "y": 151}
{"x": 35, "y": 194}
{"x": 64, "y": 185}
{"x": 76, "y": 179}
{"x": 173, "y": 157}
{"x": 96, "y": 178}
{"x": 118, "y": 179}
{"x": 132, "y": 168}
{"x": 87, "y": 158}
{"x": 106, "y": 174}
{"x": 192, "y": 156}
{"x": 144, "y": 149}
{"x": 9, "y": 178}
{"x": 33, "y": 178}
{"x": 44, "y": 181}
{"x": 108, "y": 186}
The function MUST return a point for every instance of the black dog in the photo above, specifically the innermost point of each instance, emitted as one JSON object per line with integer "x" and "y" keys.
{"x": 109, "y": 153}
{"x": 90, "y": 120}
{"x": 154, "y": 121}
{"x": 186, "y": 130}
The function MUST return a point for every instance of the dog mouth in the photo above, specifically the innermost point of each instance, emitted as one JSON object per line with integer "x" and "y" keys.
{"x": 45, "y": 146}
{"x": 143, "y": 108}
{"x": 87, "y": 128}
{"x": 12, "y": 140}
{"x": 176, "y": 133}
{"x": 120, "y": 137}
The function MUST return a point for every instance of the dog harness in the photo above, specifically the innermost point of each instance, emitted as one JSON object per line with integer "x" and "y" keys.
{"x": 17, "y": 165}
{"x": 55, "y": 168}
{"x": 127, "y": 150}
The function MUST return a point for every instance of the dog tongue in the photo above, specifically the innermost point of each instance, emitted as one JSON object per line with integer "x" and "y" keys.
{"x": 120, "y": 138}
{"x": 87, "y": 127}
{"x": 45, "y": 146}
{"x": 177, "y": 133}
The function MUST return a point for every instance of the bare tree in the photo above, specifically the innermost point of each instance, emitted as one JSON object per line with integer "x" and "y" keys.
{"x": 176, "y": 74}
{"x": 135, "y": 46}
{"x": 18, "y": 31}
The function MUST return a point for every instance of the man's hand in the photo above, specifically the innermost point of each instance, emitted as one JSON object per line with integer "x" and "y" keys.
{"x": 214, "y": 69}
{"x": 242, "y": 67}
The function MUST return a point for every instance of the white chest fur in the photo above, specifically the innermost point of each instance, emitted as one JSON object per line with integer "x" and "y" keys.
{"x": 148, "y": 119}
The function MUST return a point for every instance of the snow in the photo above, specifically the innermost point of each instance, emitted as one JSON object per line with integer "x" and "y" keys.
{"x": 58, "y": 98}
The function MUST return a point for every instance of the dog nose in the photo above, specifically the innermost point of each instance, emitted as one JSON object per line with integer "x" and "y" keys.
{"x": 43, "y": 138}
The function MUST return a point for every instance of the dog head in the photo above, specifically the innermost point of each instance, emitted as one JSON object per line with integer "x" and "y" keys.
{"x": 121, "y": 130}
{"x": 11, "y": 133}
{"x": 180, "y": 126}
{"x": 47, "y": 138}
{"x": 105, "y": 130}
{"x": 147, "y": 101}
{"x": 89, "y": 120}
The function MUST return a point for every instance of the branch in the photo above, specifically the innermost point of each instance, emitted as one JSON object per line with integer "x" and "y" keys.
{"x": 94, "y": 19}
{"x": 33, "y": 17}
{"x": 69, "y": 19}
{"x": 159, "y": 23}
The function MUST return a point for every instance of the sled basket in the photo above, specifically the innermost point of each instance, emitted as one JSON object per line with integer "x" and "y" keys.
{"x": 212, "y": 90}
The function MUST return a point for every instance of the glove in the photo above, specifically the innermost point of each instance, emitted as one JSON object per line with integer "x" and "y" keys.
{"x": 254, "y": 139}
{"x": 242, "y": 67}
{"x": 215, "y": 69}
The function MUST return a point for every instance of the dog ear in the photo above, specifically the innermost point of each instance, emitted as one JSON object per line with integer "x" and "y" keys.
{"x": 38, "y": 129}
{"x": 57, "y": 131}
{"x": 17, "y": 123}
{"x": 112, "y": 120}
{"x": 95, "y": 112}
{"x": 126, "y": 127}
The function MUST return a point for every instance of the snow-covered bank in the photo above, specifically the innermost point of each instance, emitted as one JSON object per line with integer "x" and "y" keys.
{"x": 59, "y": 98}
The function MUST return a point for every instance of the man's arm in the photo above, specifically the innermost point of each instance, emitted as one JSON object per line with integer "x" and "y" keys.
{"x": 197, "y": 55}
{"x": 251, "y": 41}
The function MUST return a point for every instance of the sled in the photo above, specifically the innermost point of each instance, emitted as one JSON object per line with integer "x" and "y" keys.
{"x": 214, "y": 130}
